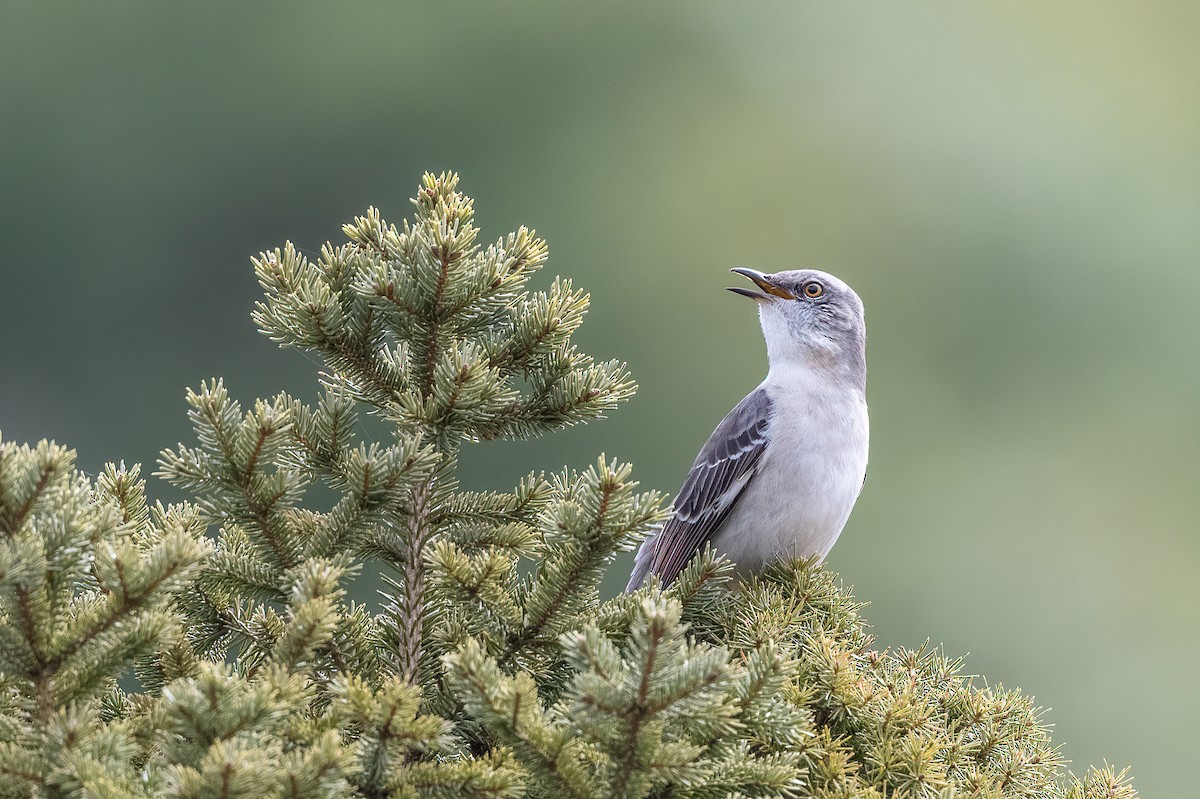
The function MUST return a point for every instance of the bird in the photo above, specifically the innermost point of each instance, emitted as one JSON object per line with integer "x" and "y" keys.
{"x": 781, "y": 473}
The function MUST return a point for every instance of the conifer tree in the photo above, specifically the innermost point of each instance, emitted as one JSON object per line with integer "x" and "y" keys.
{"x": 210, "y": 649}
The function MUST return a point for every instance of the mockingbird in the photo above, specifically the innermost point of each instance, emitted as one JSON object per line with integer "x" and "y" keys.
{"x": 780, "y": 474}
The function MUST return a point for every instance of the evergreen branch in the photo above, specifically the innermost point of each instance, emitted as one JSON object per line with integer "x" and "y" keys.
{"x": 179, "y": 561}
{"x": 411, "y": 611}
{"x": 534, "y": 626}
{"x": 614, "y": 516}
{"x": 41, "y": 675}
{"x": 640, "y": 712}
{"x": 13, "y": 519}
{"x": 511, "y": 708}
{"x": 520, "y": 506}
{"x": 360, "y": 372}
{"x": 431, "y": 344}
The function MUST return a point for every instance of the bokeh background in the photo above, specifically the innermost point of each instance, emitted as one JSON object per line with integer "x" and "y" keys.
{"x": 1013, "y": 188}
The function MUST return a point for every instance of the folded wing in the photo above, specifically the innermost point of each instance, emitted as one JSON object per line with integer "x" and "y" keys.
{"x": 717, "y": 479}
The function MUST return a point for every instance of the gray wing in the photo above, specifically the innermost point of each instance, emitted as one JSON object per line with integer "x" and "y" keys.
{"x": 724, "y": 466}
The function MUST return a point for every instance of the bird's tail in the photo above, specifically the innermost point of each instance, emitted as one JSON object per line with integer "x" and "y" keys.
{"x": 642, "y": 562}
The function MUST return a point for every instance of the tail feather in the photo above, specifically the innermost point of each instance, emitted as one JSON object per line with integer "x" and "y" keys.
{"x": 642, "y": 562}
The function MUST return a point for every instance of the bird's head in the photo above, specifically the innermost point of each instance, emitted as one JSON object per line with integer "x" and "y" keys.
{"x": 810, "y": 319}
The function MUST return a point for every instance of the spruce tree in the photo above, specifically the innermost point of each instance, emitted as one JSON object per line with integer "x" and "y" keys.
{"x": 209, "y": 648}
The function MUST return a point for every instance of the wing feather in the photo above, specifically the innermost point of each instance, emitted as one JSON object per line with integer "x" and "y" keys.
{"x": 717, "y": 478}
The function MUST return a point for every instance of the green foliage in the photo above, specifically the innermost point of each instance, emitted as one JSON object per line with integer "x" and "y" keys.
{"x": 141, "y": 657}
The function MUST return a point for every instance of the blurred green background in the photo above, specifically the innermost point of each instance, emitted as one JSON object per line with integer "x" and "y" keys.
{"x": 1013, "y": 188}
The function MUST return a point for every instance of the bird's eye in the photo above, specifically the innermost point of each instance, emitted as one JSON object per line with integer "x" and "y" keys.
{"x": 813, "y": 289}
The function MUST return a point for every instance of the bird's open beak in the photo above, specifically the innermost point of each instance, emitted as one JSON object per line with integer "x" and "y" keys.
{"x": 763, "y": 282}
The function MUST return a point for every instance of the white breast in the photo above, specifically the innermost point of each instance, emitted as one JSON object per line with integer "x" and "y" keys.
{"x": 809, "y": 478}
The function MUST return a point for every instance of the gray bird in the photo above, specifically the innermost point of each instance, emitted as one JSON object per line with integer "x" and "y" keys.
{"x": 780, "y": 474}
